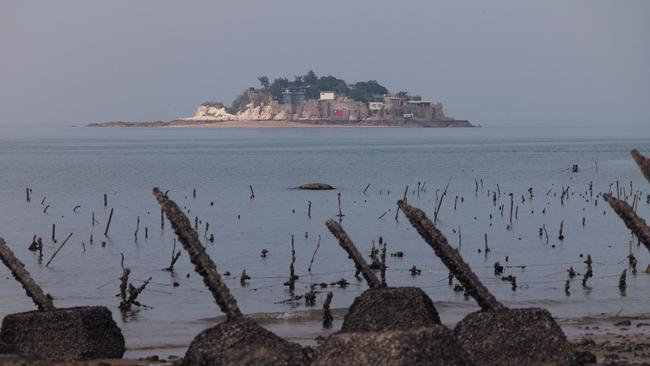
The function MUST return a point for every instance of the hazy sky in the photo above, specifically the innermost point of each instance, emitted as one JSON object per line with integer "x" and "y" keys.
{"x": 492, "y": 62}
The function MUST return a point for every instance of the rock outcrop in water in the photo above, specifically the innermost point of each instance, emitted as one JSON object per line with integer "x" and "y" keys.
{"x": 315, "y": 186}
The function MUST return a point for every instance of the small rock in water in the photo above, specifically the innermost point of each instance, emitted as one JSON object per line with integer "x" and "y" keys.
{"x": 315, "y": 186}
{"x": 623, "y": 323}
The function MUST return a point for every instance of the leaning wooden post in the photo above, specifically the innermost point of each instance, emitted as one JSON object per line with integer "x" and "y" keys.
{"x": 42, "y": 301}
{"x": 346, "y": 243}
{"x": 202, "y": 262}
{"x": 450, "y": 257}
{"x": 108, "y": 224}
{"x": 631, "y": 220}
{"x": 58, "y": 250}
{"x": 642, "y": 162}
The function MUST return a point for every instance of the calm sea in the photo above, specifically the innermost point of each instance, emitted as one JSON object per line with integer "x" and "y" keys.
{"x": 68, "y": 167}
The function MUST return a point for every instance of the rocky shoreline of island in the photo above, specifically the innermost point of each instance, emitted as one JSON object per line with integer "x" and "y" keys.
{"x": 286, "y": 124}
{"x": 312, "y": 101}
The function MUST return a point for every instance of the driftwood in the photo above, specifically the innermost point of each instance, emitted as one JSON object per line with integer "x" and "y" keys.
{"x": 642, "y": 162}
{"x": 202, "y": 262}
{"x": 42, "y": 301}
{"x": 632, "y": 221}
{"x": 346, "y": 243}
{"x": 450, "y": 257}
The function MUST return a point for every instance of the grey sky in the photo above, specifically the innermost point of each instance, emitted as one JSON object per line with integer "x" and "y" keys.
{"x": 492, "y": 62}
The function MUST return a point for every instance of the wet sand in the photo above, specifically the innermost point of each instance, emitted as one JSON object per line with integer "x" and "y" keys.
{"x": 614, "y": 340}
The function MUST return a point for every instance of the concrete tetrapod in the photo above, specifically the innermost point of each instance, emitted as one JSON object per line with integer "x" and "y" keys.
{"x": 495, "y": 335}
{"x": 383, "y": 308}
{"x": 78, "y": 333}
{"x": 237, "y": 341}
{"x": 388, "y": 326}
{"x": 432, "y": 346}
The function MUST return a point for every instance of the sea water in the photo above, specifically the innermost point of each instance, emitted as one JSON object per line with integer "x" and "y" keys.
{"x": 67, "y": 167}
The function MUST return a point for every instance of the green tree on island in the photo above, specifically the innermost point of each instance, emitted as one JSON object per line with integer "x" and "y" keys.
{"x": 264, "y": 81}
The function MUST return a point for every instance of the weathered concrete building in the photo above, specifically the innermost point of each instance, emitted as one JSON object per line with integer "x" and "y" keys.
{"x": 327, "y": 95}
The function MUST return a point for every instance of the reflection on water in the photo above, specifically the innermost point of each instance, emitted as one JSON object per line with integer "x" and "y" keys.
{"x": 75, "y": 166}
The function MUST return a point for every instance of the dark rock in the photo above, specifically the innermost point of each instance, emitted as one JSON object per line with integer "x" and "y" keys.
{"x": 315, "y": 186}
{"x": 243, "y": 342}
{"x": 390, "y": 308}
{"x": 584, "y": 357}
{"x": 623, "y": 323}
{"x": 79, "y": 333}
{"x": 514, "y": 337}
{"x": 434, "y": 345}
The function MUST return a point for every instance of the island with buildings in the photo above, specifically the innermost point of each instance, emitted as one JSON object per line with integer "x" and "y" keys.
{"x": 311, "y": 101}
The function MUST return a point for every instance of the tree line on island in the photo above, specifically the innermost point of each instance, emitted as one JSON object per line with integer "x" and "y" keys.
{"x": 362, "y": 91}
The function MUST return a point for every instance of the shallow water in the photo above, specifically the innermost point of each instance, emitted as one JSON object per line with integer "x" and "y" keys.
{"x": 76, "y": 166}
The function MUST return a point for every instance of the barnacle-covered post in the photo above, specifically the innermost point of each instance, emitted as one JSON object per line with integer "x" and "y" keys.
{"x": 450, "y": 257}
{"x": 630, "y": 218}
{"x": 346, "y": 243}
{"x": 42, "y": 301}
{"x": 202, "y": 262}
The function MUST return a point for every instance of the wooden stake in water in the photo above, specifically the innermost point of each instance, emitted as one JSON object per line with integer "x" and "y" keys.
{"x": 292, "y": 273}
{"x": 314, "y": 255}
{"x": 108, "y": 224}
{"x": 327, "y": 314}
{"x": 137, "y": 228}
{"x": 57, "y": 251}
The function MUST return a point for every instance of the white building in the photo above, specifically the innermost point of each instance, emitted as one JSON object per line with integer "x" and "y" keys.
{"x": 327, "y": 95}
{"x": 375, "y": 106}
